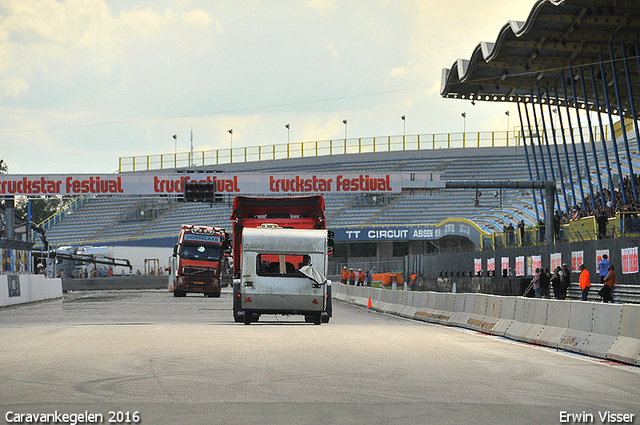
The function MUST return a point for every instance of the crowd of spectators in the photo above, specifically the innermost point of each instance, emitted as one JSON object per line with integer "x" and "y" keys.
{"x": 593, "y": 208}
{"x": 613, "y": 204}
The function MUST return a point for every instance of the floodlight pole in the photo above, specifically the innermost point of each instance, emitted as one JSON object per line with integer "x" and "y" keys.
{"x": 548, "y": 185}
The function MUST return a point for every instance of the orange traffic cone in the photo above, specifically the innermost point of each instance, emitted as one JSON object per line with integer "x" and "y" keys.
{"x": 369, "y": 303}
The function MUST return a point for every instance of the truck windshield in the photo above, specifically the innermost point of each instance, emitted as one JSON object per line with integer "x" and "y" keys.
{"x": 200, "y": 252}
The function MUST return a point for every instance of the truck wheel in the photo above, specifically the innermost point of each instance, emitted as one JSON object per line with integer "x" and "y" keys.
{"x": 317, "y": 319}
{"x": 308, "y": 318}
{"x": 248, "y": 318}
{"x": 179, "y": 293}
{"x": 216, "y": 294}
{"x": 325, "y": 318}
{"x": 237, "y": 317}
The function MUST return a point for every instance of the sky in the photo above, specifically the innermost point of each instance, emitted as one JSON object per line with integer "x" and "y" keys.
{"x": 85, "y": 82}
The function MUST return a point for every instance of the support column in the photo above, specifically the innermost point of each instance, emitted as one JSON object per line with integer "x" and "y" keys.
{"x": 535, "y": 160}
{"x": 555, "y": 144}
{"x": 605, "y": 93}
{"x": 592, "y": 137}
{"x": 603, "y": 139}
{"x": 546, "y": 142}
{"x": 526, "y": 154}
{"x": 584, "y": 147}
{"x": 623, "y": 125}
{"x": 9, "y": 217}
{"x": 573, "y": 140}
{"x": 566, "y": 151}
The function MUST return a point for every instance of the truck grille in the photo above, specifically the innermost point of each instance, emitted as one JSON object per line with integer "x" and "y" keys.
{"x": 199, "y": 272}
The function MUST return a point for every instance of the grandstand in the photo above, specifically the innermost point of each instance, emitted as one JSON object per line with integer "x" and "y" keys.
{"x": 103, "y": 219}
{"x": 155, "y": 222}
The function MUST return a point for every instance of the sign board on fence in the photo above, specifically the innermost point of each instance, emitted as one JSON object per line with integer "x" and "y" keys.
{"x": 555, "y": 260}
{"x": 520, "y": 266}
{"x": 505, "y": 263}
{"x": 491, "y": 264}
{"x": 577, "y": 258}
{"x": 630, "y": 260}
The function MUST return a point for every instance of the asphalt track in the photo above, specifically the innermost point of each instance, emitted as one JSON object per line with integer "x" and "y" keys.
{"x": 184, "y": 361}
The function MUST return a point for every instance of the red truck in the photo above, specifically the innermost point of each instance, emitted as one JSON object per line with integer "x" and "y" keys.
{"x": 297, "y": 213}
{"x": 199, "y": 260}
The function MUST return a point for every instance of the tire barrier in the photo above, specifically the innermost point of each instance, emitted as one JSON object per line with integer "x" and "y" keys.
{"x": 608, "y": 331}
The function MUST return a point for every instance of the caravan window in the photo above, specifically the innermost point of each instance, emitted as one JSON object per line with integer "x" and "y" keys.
{"x": 280, "y": 265}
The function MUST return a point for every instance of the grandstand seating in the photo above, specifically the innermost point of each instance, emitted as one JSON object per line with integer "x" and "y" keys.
{"x": 102, "y": 219}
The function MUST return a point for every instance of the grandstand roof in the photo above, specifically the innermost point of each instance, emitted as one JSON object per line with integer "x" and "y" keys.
{"x": 557, "y": 35}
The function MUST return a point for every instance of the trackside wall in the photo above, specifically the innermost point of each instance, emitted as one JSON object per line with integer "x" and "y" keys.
{"x": 608, "y": 331}
{"x": 26, "y": 288}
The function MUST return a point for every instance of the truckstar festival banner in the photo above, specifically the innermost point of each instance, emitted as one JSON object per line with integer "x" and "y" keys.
{"x": 236, "y": 184}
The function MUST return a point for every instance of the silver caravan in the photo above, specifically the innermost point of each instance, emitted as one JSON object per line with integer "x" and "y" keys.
{"x": 283, "y": 272}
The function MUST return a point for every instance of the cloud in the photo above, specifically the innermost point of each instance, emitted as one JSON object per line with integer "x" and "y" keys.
{"x": 319, "y": 4}
{"x": 13, "y": 87}
{"x": 198, "y": 18}
{"x": 333, "y": 51}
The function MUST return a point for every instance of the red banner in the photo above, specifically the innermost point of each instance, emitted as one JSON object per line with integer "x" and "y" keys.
{"x": 237, "y": 184}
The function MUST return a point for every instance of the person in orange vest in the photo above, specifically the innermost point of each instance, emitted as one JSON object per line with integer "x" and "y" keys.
{"x": 585, "y": 281}
{"x": 345, "y": 275}
{"x": 360, "y": 278}
{"x": 352, "y": 277}
{"x": 607, "y": 287}
{"x": 412, "y": 282}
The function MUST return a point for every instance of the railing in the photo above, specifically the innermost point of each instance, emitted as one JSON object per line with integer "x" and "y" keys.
{"x": 341, "y": 146}
{"x": 67, "y": 209}
{"x": 624, "y": 224}
{"x": 320, "y": 148}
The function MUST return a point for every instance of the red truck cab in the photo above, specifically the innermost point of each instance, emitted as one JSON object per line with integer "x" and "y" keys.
{"x": 199, "y": 257}
{"x": 302, "y": 212}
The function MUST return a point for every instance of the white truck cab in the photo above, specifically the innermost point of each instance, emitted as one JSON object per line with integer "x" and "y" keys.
{"x": 283, "y": 272}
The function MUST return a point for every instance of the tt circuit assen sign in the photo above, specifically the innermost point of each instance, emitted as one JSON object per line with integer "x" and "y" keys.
{"x": 407, "y": 233}
{"x": 235, "y": 184}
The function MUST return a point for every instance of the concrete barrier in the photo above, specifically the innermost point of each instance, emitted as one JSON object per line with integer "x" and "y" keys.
{"x": 481, "y": 320}
{"x": 626, "y": 347}
{"x": 21, "y": 289}
{"x": 577, "y": 334}
{"x": 609, "y": 331}
{"x": 517, "y": 328}
{"x": 556, "y": 324}
{"x": 508, "y": 307}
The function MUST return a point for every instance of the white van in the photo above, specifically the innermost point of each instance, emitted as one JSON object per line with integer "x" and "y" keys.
{"x": 283, "y": 272}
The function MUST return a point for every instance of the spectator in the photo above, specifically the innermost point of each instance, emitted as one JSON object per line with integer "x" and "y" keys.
{"x": 536, "y": 283}
{"x": 602, "y": 220}
{"x": 556, "y": 282}
{"x": 566, "y": 281}
{"x": 352, "y": 277}
{"x": 368, "y": 278}
{"x": 521, "y": 230}
{"x": 345, "y": 275}
{"x": 603, "y": 267}
{"x": 585, "y": 281}
{"x": 544, "y": 283}
{"x": 413, "y": 281}
{"x": 557, "y": 219}
{"x": 607, "y": 287}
